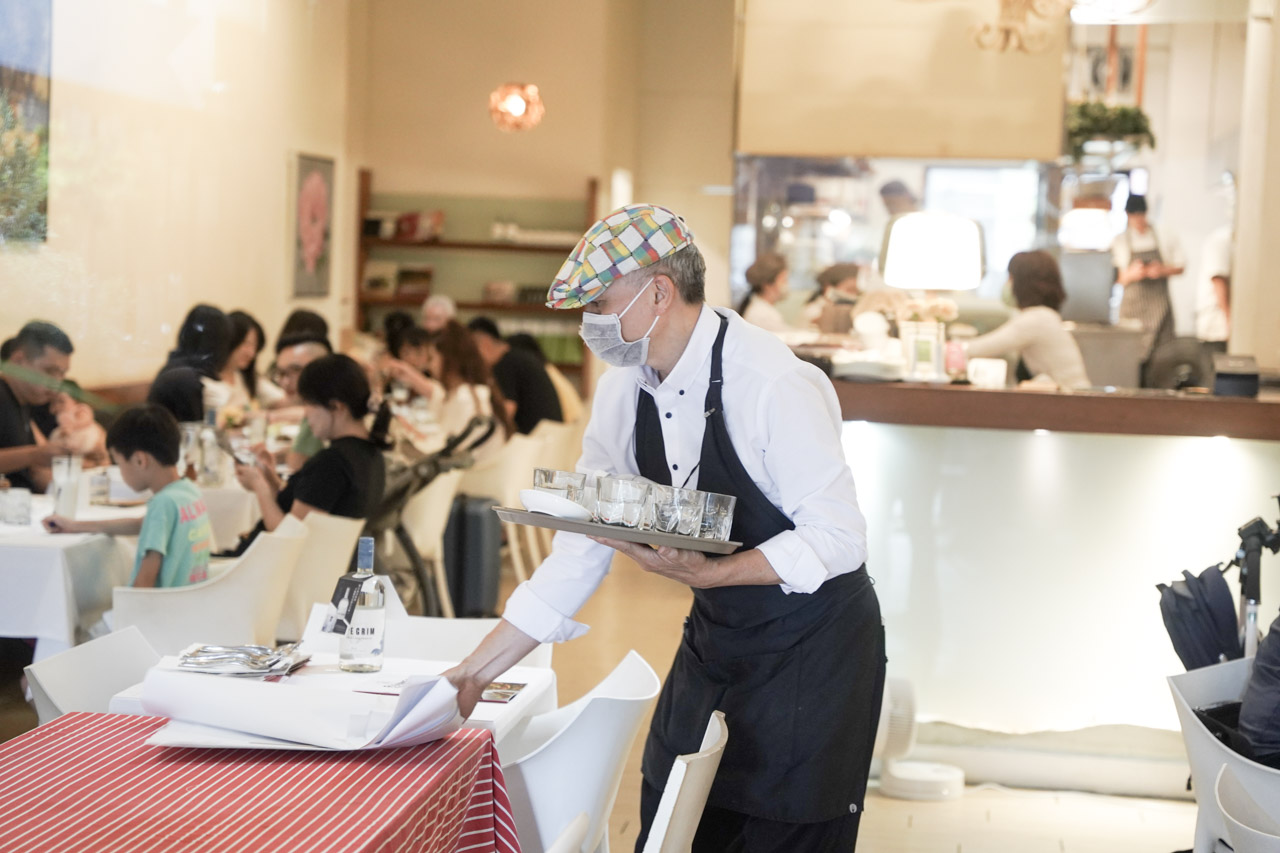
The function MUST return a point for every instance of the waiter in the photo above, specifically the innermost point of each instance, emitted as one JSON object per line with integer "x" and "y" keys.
{"x": 784, "y": 635}
{"x": 1144, "y": 264}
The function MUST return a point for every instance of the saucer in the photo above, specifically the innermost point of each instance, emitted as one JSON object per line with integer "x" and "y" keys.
{"x": 549, "y": 504}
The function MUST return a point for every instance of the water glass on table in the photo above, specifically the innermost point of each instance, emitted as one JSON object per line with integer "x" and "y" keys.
{"x": 15, "y": 506}
{"x": 562, "y": 484}
{"x": 621, "y": 500}
{"x": 676, "y": 510}
{"x": 717, "y": 516}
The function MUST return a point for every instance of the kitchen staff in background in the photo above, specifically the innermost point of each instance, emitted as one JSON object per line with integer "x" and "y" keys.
{"x": 830, "y": 309}
{"x": 1213, "y": 295}
{"x": 769, "y": 285}
{"x": 1144, "y": 262}
{"x": 784, "y": 635}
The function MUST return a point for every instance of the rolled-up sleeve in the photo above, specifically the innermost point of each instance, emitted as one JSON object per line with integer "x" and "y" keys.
{"x": 800, "y": 417}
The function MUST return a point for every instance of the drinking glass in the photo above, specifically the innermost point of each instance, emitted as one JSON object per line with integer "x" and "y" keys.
{"x": 563, "y": 484}
{"x": 621, "y": 500}
{"x": 242, "y": 449}
{"x": 676, "y": 510}
{"x": 66, "y": 484}
{"x": 15, "y": 506}
{"x": 717, "y": 516}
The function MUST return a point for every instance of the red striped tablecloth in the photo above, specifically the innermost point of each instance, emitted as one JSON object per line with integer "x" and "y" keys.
{"x": 89, "y": 782}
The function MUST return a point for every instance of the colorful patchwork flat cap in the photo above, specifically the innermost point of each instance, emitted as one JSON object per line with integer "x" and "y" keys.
{"x": 626, "y": 240}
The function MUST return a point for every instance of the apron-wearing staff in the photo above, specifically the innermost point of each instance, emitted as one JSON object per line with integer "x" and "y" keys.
{"x": 785, "y": 635}
{"x": 1145, "y": 274}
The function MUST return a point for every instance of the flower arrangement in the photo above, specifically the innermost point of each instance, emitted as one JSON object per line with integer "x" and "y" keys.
{"x": 1095, "y": 120}
{"x": 935, "y": 308}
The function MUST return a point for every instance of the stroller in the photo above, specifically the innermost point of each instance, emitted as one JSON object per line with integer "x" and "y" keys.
{"x": 1205, "y": 625}
{"x": 403, "y": 481}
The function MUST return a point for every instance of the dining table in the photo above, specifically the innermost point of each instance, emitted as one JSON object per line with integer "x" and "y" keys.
{"x": 90, "y": 782}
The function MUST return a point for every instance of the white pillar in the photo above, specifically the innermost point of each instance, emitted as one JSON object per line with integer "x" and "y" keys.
{"x": 1255, "y": 278}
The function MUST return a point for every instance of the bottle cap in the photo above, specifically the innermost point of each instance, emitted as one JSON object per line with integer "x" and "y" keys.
{"x": 364, "y": 553}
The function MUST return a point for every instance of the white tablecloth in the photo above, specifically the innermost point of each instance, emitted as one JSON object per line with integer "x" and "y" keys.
{"x": 61, "y": 585}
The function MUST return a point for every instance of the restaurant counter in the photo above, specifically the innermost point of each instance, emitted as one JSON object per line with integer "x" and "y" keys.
{"x": 1016, "y": 539}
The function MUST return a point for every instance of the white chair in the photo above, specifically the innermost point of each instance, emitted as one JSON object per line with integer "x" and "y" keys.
{"x": 1250, "y": 828}
{"x": 685, "y": 795}
{"x": 571, "y": 760}
{"x": 570, "y": 841}
{"x": 239, "y": 606}
{"x": 325, "y": 557}
{"x": 421, "y": 637}
{"x": 1199, "y": 688}
{"x": 501, "y": 477}
{"x": 85, "y": 677}
{"x": 425, "y": 516}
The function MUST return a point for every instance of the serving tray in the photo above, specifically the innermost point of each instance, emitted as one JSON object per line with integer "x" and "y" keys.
{"x": 610, "y": 531}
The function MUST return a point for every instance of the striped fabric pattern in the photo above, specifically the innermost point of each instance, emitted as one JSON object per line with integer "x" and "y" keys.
{"x": 88, "y": 782}
{"x": 626, "y": 240}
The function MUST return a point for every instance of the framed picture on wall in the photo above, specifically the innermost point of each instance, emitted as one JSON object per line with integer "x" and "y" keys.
{"x": 26, "y": 44}
{"x": 313, "y": 225}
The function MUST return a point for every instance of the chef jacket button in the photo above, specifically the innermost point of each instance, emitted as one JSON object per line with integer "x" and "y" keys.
{"x": 668, "y": 414}
{"x": 853, "y": 808}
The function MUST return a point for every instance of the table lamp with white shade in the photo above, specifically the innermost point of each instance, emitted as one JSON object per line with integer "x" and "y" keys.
{"x": 931, "y": 251}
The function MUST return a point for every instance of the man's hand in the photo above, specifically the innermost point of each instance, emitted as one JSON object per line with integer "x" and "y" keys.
{"x": 469, "y": 690}
{"x": 691, "y": 568}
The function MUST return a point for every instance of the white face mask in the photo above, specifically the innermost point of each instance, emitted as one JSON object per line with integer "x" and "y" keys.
{"x": 602, "y": 333}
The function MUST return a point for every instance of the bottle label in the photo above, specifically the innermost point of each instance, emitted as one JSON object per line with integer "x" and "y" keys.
{"x": 342, "y": 607}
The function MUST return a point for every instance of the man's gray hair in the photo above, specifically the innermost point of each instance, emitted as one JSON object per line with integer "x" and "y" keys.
{"x": 685, "y": 268}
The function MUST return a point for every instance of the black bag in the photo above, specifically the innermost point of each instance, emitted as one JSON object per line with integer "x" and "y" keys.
{"x": 1200, "y": 614}
{"x": 473, "y": 556}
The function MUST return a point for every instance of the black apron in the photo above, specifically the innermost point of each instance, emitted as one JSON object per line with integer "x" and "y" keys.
{"x": 1147, "y": 301}
{"x": 799, "y": 677}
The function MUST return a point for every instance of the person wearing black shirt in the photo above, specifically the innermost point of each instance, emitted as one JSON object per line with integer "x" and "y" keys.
{"x": 45, "y": 349}
{"x": 1260, "y": 705}
{"x": 347, "y": 477}
{"x": 204, "y": 345}
{"x": 520, "y": 375}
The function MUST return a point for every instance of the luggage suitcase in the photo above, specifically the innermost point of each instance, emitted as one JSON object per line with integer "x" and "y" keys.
{"x": 473, "y": 556}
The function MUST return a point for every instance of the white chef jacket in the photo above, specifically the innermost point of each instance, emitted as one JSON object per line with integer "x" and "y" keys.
{"x": 1215, "y": 262}
{"x": 784, "y": 421}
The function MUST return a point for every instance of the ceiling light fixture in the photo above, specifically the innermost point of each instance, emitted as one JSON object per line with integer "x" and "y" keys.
{"x": 516, "y": 106}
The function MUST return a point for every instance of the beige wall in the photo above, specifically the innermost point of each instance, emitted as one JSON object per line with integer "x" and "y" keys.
{"x": 174, "y": 130}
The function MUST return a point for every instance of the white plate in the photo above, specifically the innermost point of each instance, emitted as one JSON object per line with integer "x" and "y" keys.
{"x": 549, "y": 504}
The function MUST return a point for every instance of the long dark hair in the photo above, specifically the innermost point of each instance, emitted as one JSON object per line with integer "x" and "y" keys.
{"x": 340, "y": 379}
{"x": 461, "y": 359}
{"x": 1036, "y": 280}
{"x": 394, "y": 325}
{"x": 241, "y": 323}
{"x": 761, "y": 274}
{"x": 204, "y": 341}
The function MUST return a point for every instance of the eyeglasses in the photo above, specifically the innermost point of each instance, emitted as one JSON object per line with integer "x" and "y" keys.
{"x": 293, "y": 371}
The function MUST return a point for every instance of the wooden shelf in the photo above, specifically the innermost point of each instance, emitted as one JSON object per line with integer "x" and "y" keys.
{"x": 464, "y": 245}
{"x": 514, "y": 308}
{"x": 393, "y": 299}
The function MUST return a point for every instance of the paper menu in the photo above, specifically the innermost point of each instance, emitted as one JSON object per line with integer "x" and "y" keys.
{"x": 295, "y": 714}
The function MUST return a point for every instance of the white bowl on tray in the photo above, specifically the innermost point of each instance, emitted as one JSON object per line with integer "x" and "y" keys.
{"x": 549, "y": 504}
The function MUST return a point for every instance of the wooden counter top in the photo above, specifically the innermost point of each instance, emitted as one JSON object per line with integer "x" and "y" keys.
{"x": 1097, "y": 412}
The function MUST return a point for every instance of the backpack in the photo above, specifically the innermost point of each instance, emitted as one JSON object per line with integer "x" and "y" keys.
{"x": 1200, "y": 614}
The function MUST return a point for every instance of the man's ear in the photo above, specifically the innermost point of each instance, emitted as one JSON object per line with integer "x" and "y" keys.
{"x": 664, "y": 290}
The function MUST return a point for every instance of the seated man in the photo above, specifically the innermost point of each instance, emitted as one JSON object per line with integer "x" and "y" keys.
{"x": 38, "y": 359}
{"x": 1260, "y": 708}
{"x": 520, "y": 375}
{"x": 174, "y": 537}
{"x": 292, "y": 354}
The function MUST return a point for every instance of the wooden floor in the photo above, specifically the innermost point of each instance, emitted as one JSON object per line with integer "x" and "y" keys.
{"x": 635, "y": 610}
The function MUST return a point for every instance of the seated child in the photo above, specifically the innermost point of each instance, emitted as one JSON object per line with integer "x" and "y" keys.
{"x": 174, "y": 537}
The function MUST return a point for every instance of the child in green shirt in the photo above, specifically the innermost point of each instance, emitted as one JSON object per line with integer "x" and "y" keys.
{"x": 174, "y": 537}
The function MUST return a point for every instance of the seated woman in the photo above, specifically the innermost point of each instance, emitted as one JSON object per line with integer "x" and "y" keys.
{"x": 190, "y": 383}
{"x": 347, "y": 477}
{"x": 830, "y": 308}
{"x": 468, "y": 386}
{"x": 1036, "y": 333}
{"x": 768, "y": 280}
{"x": 241, "y": 372}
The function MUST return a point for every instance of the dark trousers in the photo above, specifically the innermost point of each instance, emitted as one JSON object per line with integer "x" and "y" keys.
{"x": 724, "y": 831}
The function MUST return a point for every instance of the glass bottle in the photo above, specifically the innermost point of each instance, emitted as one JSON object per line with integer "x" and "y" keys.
{"x": 360, "y": 649}
{"x": 210, "y": 452}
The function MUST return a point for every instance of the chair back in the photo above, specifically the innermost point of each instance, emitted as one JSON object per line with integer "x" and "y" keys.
{"x": 1199, "y": 688}
{"x": 557, "y": 444}
{"x": 326, "y": 556}
{"x": 1250, "y": 827}
{"x": 504, "y": 474}
{"x": 85, "y": 677}
{"x": 571, "y": 760}
{"x": 426, "y": 513}
{"x": 685, "y": 796}
{"x": 570, "y": 841}
{"x": 241, "y": 605}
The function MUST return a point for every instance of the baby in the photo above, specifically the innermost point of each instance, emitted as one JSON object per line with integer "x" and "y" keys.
{"x": 77, "y": 430}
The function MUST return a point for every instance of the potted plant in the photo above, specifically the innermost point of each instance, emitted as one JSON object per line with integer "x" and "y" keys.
{"x": 1089, "y": 120}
